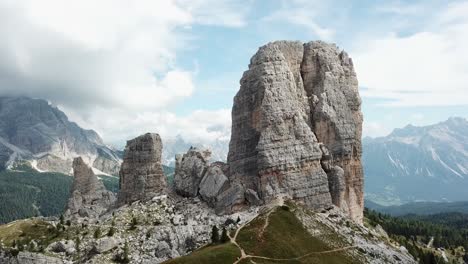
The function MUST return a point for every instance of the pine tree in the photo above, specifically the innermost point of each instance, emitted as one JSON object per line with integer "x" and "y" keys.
{"x": 126, "y": 258}
{"x": 134, "y": 223}
{"x": 224, "y": 236}
{"x": 214, "y": 235}
{"x": 77, "y": 244}
{"x": 111, "y": 229}
{"x": 97, "y": 233}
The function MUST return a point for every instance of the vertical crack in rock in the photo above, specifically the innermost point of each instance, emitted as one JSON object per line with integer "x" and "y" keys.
{"x": 141, "y": 173}
{"x": 297, "y": 101}
{"x": 331, "y": 83}
{"x": 89, "y": 198}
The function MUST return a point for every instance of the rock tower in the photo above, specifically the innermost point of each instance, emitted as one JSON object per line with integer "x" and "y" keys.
{"x": 89, "y": 198}
{"x": 296, "y": 126}
{"x": 141, "y": 173}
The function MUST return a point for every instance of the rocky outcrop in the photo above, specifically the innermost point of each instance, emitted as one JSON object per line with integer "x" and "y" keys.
{"x": 213, "y": 182}
{"x": 195, "y": 176}
{"x": 189, "y": 171}
{"x": 30, "y": 258}
{"x": 141, "y": 173}
{"x": 89, "y": 198}
{"x": 293, "y": 97}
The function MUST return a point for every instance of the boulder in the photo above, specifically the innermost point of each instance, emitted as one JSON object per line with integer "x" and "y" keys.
{"x": 213, "y": 182}
{"x": 189, "y": 171}
{"x": 105, "y": 244}
{"x": 230, "y": 200}
{"x": 252, "y": 197}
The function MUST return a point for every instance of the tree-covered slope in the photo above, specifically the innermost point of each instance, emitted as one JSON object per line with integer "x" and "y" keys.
{"x": 25, "y": 192}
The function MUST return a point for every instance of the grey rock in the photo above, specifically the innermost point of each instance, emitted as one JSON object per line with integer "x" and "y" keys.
{"x": 230, "y": 200}
{"x": 213, "y": 182}
{"x": 294, "y": 100}
{"x": 141, "y": 173}
{"x": 63, "y": 246}
{"x": 328, "y": 75}
{"x": 252, "y": 197}
{"x": 89, "y": 197}
{"x": 337, "y": 185}
{"x": 189, "y": 171}
{"x": 105, "y": 244}
{"x": 30, "y": 258}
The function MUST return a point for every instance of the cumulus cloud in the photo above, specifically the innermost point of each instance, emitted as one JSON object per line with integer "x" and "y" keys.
{"x": 118, "y": 125}
{"x": 111, "y": 64}
{"x": 427, "y": 67}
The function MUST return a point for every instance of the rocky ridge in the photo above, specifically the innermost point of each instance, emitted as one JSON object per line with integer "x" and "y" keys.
{"x": 296, "y": 130}
{"x": 285, "y": 142}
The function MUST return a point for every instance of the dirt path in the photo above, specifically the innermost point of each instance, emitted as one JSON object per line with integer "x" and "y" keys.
{"x": 267, "y": 221}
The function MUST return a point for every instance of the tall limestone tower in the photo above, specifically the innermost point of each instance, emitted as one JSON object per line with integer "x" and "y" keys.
{"x": 296, "y": 127}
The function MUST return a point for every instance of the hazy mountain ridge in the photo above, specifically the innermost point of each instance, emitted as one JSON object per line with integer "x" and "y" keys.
{"x": 428, "y": 163}
{"x": 34, "y": 130}
{"x": 219, "y": 149}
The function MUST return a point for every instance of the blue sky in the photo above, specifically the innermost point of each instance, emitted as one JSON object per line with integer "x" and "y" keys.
{"x": 173, "y": 66}
{"x": 350, "y": 23}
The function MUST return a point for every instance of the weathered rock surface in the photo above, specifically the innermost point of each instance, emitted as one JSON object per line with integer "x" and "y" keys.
{"x": 64, "y": 246}
{"x": 141, "y": 173}
{"x": 214, "y": 181}
{"x": 105, "y": 244}
{"x": 89, "y": 198}
{"x": 335, "y": 112}
{"x": 293, "y": 97}
{"x": 30, "y": 258}
{"x": 189, "y": 171}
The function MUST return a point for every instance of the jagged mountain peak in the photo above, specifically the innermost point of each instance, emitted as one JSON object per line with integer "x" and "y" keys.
{"x": 35, "y": 130}
{"x": 427, "y": 163}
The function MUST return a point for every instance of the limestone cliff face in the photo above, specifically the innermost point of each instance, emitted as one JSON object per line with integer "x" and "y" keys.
{"x": 189, "y": 171}
{"x": 296, "y": 126}
{"x": 89, "y": 197}
{"x": 141, "y": 173}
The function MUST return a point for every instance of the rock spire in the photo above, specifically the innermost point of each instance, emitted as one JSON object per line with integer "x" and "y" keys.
{"x": 141, "y": 173}
{"x": 89, "y": 198}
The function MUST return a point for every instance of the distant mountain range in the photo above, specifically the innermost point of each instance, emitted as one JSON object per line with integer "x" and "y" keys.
{"x": 419, "y": 208}
{"x": 411, "y": 164}
{"x": 428, "y": 163}
{"x": 35, "y": 131}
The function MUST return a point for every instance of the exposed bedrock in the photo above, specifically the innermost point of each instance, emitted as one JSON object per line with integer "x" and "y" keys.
{"x": 293, "y": 99}
{"x": 141, "y": 173}
{"x": 189, "y": 171}
{"x": 89, "y": 198}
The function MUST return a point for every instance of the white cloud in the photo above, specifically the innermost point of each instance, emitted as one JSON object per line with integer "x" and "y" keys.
{"x": 424, "y": 68}
{"x": 375, "y": 129}
{"x": 117, "y": 125}
{"x": 111, "y": 64}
